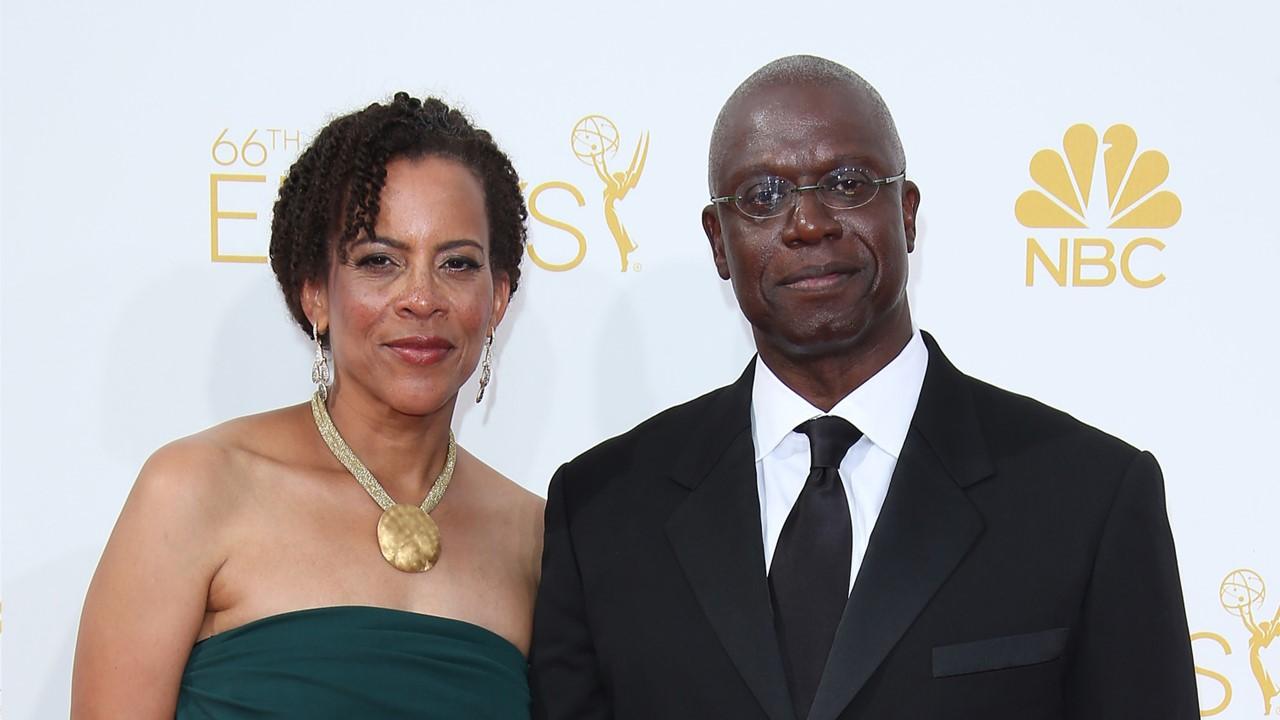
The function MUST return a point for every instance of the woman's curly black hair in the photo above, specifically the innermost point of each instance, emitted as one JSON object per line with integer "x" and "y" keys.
{"x": 332, "y": 193}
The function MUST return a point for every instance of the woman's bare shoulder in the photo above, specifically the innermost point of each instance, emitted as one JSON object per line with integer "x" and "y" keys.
{"x": 276, "y": 435}
{"x": 517, "y": 510}
{"x": 211, "y": 465}
{"x": 503, "y": 490}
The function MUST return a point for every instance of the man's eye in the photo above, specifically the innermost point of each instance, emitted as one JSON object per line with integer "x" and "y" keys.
{"x": 848, "y": 186}
{"x": 763, "y": 196}
{"x": 849, "y": 183}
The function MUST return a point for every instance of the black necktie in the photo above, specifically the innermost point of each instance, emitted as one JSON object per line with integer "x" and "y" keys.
{"x": 809, "y": 575}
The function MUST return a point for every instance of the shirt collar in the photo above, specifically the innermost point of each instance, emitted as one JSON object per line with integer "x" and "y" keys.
{"x": 881, "y": 407}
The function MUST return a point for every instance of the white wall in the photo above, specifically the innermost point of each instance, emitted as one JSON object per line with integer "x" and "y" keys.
{"x": 119, "y": 333}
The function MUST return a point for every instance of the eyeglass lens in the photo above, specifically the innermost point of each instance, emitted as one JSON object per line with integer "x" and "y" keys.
{"x": 842, "y": 189}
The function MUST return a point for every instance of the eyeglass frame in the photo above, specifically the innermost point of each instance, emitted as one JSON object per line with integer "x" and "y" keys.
{"x": 876, "y": 183}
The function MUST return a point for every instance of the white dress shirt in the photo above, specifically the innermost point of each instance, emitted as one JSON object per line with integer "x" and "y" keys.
{"x": 881, "y": 408}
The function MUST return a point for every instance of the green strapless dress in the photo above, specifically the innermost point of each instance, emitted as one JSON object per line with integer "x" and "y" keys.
{"x": 355, "y": 662}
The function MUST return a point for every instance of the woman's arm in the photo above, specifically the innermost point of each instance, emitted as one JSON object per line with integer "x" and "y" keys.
{"x": 147, "y": 600}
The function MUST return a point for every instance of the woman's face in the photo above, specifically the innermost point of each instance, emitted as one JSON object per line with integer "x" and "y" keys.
{"x": 409, "y": 310}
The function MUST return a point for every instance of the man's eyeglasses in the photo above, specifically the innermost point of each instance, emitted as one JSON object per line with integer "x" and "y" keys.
{"x": 841, "y": 189}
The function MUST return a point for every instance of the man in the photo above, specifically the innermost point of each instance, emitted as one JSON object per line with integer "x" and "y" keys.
{"x": 853, "y": 529}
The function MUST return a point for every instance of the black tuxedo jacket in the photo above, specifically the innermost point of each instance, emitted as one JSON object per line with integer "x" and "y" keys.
{"x": 1022, "y": 567}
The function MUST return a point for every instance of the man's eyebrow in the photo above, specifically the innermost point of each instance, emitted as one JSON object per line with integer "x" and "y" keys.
{"x": 857, "y": 161}
{"x": 759, "y": 170}
{"x": 752, "y": 171}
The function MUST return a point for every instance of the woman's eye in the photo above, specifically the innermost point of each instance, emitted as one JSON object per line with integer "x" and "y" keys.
{"x": 461, "y": 263}
{"x": 376, "y": 260}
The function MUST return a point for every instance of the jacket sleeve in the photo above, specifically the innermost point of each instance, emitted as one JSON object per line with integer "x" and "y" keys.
{"x": 1132, "y": 651}
{"x": 564, "y": 677}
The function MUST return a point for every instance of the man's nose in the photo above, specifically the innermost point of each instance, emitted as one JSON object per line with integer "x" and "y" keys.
{"x": 810, "y": 221}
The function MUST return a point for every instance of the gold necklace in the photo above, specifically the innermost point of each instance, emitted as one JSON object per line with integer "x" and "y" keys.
{"x": 408, "y": 537}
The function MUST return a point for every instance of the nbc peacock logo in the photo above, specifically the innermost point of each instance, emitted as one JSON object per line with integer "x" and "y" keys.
{"x": 1067, "y": 200}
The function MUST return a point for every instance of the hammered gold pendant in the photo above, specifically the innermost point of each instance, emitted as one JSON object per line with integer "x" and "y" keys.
{"x": 409, "y": 538}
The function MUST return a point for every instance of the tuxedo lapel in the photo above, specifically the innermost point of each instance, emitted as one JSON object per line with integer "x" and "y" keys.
{"x": 715, "y": 533}
{"x": 925, "y": 529}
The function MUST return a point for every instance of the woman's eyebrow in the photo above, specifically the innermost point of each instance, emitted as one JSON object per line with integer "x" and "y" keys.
{"x": 381, "y": 240}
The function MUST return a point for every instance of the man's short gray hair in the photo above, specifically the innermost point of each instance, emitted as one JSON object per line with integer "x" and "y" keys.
{"x": 801, "y": 70}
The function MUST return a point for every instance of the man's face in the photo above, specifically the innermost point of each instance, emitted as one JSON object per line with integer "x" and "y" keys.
{"x": 814, "y": 280}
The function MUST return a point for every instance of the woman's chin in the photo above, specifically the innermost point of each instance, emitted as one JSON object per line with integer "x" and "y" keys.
{"x": 418, "y": 401}
{"x": 405, "y": 395}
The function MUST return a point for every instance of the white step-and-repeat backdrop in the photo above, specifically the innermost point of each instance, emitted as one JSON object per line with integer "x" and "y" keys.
{"x": 1098, "y": 179}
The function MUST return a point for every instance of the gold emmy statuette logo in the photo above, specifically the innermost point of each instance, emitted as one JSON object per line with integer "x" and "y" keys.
{"x": 1066, "y": 186}
{"x": 594, "y": 140}
{"x": 1242, "y": 594}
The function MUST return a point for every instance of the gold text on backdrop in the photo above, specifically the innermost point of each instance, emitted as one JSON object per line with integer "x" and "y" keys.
{"x": 247, "y": 190}
{"x": 239, "y": 191}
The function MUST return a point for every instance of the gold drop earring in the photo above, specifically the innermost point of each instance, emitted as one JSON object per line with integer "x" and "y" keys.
{"x": 319, "y": 366}
{"x": 486, "y": 368}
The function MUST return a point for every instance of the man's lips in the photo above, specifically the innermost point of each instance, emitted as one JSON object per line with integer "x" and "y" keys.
{"x": 819, "y": 277}
{"x": 420, "y": 350}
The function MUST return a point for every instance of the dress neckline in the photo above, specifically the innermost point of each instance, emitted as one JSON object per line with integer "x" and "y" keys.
{"x": 340, "y": 609}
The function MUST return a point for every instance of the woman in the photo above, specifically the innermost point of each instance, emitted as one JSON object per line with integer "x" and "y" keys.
{"x": 254, "y": 571}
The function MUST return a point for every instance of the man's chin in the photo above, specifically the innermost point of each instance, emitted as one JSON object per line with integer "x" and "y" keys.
{"x": 849, "y": 335}
{"x": 820, "y": 340}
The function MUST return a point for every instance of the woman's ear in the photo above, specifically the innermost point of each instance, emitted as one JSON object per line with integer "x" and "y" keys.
{"x": 315, "y": 303}
{"x": 501, "y": 297}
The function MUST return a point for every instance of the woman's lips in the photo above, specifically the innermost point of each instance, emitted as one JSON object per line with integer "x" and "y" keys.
{"x": 421, "y": 350}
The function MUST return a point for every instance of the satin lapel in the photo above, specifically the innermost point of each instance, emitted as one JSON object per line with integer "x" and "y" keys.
{"x": 715, "y": 533}
{"x": 925, "y": 529}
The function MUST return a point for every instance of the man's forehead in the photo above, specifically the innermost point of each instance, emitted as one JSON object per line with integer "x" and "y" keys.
{"x": 795, "y": 125}
{"x": 801, "y": 101}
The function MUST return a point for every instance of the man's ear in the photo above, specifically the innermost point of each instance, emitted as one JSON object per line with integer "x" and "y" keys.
{"x": 910, "y": 203}
{"x": 715, "y": 235}
{"x": 315, "y": 303}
